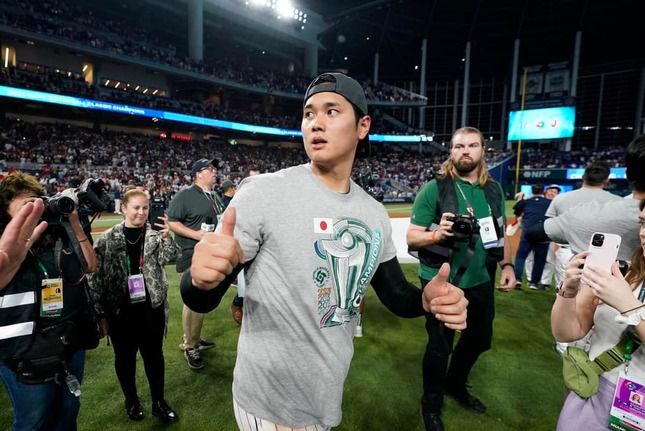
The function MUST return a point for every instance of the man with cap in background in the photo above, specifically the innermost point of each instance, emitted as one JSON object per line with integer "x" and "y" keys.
{"x": 309, "y": 254}
{"x": 228, "y": 191}
{"x": 532, "y": 211}
{"x": 193, "y": 212}
{"x": 549, "y": 265}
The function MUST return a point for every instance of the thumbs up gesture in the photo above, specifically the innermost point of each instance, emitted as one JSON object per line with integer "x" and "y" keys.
{"x": 445, "y": 301}
{"x": 216, "y": 255}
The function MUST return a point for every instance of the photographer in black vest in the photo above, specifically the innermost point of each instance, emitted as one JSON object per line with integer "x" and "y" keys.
{"x": 46, "y": 319}
{"x": 459, "y": 218}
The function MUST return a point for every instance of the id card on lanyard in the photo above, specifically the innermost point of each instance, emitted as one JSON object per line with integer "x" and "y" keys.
{"x": 136, "y": 283}
{"x": 137, "y": 288}
{"x": 52, "y": 297}
{"x": 628, "y": 407}
{"x": 51, "y": 294}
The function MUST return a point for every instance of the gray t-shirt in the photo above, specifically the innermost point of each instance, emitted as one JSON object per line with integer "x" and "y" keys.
{"x": 562, "y": 203}
{"x": 313, "y": 254}
{"x": 576, "y": 226}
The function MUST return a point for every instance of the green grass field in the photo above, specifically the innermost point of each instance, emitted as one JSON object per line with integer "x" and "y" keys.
{"x": 519, "y": 379}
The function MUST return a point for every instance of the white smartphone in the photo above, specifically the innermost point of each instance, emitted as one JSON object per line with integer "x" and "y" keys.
{"x": 603, "y": 250}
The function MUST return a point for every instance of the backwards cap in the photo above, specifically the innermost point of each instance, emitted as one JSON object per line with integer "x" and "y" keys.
{"x": 351, "y": 90}
{"x": 341, "y": 84}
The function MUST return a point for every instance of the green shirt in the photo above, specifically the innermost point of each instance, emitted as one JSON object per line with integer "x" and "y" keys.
{"x": 423, "y": 214}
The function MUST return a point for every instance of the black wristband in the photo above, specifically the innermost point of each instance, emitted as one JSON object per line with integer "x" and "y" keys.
{"x": 504, "y": 265}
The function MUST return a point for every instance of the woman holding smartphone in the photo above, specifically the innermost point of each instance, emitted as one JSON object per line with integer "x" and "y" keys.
{"x": 591, "y": 296}
{"x": 130, "y": 286}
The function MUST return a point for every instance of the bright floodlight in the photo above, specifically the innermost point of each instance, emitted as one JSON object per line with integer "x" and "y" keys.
{"x": 284, "y": 7}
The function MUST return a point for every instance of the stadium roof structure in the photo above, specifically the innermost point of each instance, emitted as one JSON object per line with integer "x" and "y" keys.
{"x": 350, "y": 32}
{"x": 546, "y": 30}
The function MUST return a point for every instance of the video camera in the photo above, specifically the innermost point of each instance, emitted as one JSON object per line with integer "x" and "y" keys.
{"x": 367, "y": 181}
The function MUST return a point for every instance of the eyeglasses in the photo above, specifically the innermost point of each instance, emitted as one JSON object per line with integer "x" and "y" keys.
{"x": 208, "y": 168}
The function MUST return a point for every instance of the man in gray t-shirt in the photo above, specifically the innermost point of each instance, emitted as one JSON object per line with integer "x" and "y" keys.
{"x": 618, "y": 216}
{"x": 594, "y": 180}
{"x": 309, "y": 256}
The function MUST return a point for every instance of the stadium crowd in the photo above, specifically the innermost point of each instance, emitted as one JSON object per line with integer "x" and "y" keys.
{"x": 59, "y": 19}
{"x": 56, "y": 81}
{"x": 58, "y": 152}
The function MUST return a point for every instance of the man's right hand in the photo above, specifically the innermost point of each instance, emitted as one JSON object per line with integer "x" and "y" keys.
{"x": 216, "y": 255}
{"x": 445, "y": 227}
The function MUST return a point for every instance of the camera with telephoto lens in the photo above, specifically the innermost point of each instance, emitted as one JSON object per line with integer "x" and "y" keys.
{"x": 90, "y": 196}
{"x": 464, "y": 225}
{"x": 56, "y": 206}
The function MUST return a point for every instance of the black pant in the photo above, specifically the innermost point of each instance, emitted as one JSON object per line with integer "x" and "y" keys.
{"x": 474, "y": 340}
{"x": 139, "y": 328}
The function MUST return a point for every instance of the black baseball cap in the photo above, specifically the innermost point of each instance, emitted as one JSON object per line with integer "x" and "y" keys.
{"x": 227, "y": 184}
{"x": 341, "y": 84}
{"x": 350, "y": 89}
{"x": 201, "y": 164}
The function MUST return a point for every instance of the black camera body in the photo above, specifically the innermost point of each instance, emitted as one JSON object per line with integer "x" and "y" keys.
{"x": 367, "y": 180}
{"x": 464, "y": 225}
{"x": 92, "y": 195}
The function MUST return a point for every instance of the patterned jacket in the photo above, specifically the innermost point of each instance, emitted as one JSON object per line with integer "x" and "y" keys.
{"x": 109, "y": 283}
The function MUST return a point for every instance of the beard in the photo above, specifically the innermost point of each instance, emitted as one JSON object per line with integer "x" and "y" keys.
{"x": 466, "y": 166}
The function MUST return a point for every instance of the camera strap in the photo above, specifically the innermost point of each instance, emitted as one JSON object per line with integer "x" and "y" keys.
{"x": 76, "y": 246}
{"x": 465, "y": 261}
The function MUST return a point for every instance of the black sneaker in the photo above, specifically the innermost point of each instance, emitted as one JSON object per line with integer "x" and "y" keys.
{"x": 194, "y": 359}
{"x": 204, "y": 344}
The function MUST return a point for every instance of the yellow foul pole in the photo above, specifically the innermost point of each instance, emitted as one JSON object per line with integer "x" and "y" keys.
{"x": 519, "y": 141}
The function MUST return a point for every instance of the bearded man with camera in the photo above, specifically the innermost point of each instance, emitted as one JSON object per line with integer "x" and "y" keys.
{"x": 459, "y": 217}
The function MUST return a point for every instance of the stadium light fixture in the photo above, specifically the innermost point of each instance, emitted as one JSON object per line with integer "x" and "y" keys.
{"x": 281, "y": 9}
{"x": 284, "y": 7}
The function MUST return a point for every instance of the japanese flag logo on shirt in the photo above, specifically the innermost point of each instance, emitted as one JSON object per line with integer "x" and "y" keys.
{"x": 323, "y": 225}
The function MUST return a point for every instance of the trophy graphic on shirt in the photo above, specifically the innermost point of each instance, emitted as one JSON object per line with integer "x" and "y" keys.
{"x": 351, "y": 258}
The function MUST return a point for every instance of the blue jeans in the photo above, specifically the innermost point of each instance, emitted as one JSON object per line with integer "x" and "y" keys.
{"x": 48, "y": 406}
{"x": 540, "y": 252}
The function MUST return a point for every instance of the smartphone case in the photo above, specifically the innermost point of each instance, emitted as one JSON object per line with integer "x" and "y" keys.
{"x": 605, "y": 255}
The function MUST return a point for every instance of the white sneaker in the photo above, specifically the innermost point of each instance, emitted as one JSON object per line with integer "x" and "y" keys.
{"x": 358, "y": 332}
{"x": 533, "y": 287}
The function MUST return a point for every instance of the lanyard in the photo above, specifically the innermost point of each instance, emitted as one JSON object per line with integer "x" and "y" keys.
{"x": 214, "y": 203}
{"x": 631, "y": 334}
{"x": 469, "y": 207}
{"x": 127, "y": 254}
{"x": 42, "y": 268}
